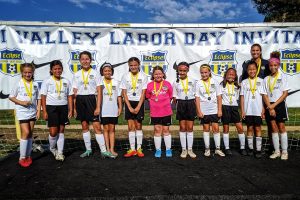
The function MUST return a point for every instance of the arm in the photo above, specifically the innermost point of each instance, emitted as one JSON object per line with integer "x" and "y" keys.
{"x": 142, "y": 99}
{"x": 242, "y": 106}
{"x": 281, "y": 99}
{"x": 19, "y": 102}
{"x": 219, "y": 101}
{"x": 74, "y": 101}
{"x": 124, "y": 93}
{"x": 198, "y": 110}
{"x": 38, "y": 109}
{"x": 70, "y": 106}
{"x": 43, "y": 102}
{"x": 120, "y": 105}
{"x": 99, "y": 100}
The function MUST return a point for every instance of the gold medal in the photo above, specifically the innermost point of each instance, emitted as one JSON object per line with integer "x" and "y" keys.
{"x": 207, "y": 88}
{"x": 108, "y": 87}
{"x": 134, "y": 79}
{"x": 185, "y": 87}
{"x": 28, "y": 90}
{"x": 157, "y": 92}
{"x": 272, "y": 85}
{"x": 230, "y": 93}
{"x": 253, "y": 88}
{"x": 58, "y": 87}
{"x": 85, "y": 79}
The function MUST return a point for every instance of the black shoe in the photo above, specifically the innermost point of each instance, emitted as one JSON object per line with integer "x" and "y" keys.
{"x": 228, "y": 152}
{"x": 243, "y": 152}
{"x": 258, "y": 154}
{"x": 250, "y": 152}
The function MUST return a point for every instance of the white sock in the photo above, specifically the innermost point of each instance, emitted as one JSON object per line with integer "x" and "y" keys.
{"x": 139, "y": 138}
{"x": 52, "y": 142}
{"x": 284, "y": 142}
{"x": 29, "y": 147}
{"x": 190, "y": 140}
{"x": 87, "y": 140}
{"x": 217, "y": 139}
{"x": 206, "y": 139}
{"x": 23, "y": 148}
{"x": 182, "y": 136}
{"x": 157, "y": 142}
{"x": 250, "y": 142}
{"x": 101, "y": 142}
{"x": 258, "y": 143}
{"x": 60, "y": 143}
{"x": 226, "y": 140}
{"x": 131, "y": 136}
{"x": 275, "y": 139}
{"x": 168, "y": 141}
{"x": 242, "y": 140}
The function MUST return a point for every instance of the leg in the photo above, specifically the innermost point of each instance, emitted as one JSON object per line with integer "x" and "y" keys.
{"x": 258, "y": 141}
{"x": 53, "y": 139}
{"x": 100, "y": 139}
{"x": 167, "y": 140}
{"x": 226, "y": 136}
{"x": 241, "y": 134}
{"x": 217, "y": 139}
{"x": 250, "y": 139}
{"x": 284, "y": 141}
{"x": 190, "y": 138}
{"x": 206, "y": 129}
{"x": 111, "y": 128}
{"x": 182, "y": 135}
{"x": 25, "y": 133}
{"x": 139, "y": 138}
{"x": 157, "y": 140}
{"x": 105, "y": 133}
{"x": 86, "y": 138}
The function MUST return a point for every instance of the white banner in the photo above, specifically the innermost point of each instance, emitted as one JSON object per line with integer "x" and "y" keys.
{"x": 220, "y": 47}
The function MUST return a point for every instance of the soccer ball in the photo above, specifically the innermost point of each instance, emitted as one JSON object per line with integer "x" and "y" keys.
{"x": 12, "y": 67}
{"x": 222, "y": 69}
{"x": 291, "y": 67}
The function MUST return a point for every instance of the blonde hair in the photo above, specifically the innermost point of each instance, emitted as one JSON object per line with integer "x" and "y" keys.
{"x": 206, "y": 66}
{"x": 29, "y": 65}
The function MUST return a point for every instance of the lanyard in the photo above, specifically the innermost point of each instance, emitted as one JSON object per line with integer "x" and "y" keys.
{"x": 86, "y": 79}
{"x": 186, "y": 86}
{"x": 258, "y": 70}
{"x": 252, "y": 89}
{"x": 28, "y": 91}
{"x": 108, "y": 87}
{"x": 134, "y": 80}
{"x": 207, "y": 87}
{"x": 230, "y": 94}
{"x": 58, "y": 87}
{"x": 272, "y": 85}
{"x": 160, "y": 86}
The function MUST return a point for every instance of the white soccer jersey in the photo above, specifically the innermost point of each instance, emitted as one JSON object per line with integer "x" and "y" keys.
{"x": 141, "y": 84}
{"x": 233, "y": 94}
{"x": 94, "y": 80}
{"x": 280, "y": 86}
{"x": 178, "y": 90}
{"x": 253, "y": 106}
{"x": 25, "y": 112}
{"x": 110, "y": 103}
{"x": 208, "y": 107}
{"x": 49, "y": 89}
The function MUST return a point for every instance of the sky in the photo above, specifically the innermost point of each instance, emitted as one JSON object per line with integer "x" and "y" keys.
{"x": 131, "y": 11}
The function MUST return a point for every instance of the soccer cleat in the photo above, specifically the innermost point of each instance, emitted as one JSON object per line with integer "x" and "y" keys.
{"x": 87, "y": 153}
{"x": 106, "y": 154}
{"x": 191, "y": 153}
{"x": 243, "y": 152}
{"x": 184, "y": 153}
{"x": 23, "y": 162}
{"x": 275, "y": 155}
{"x": 258, "y": 154}
{"x": 54, "y": 152}
{"x": 250, "y": 152}
{"x": 169, "y": 153}
{"x": 228, "y": 152}
{"x": 60, "y": 157}
{"x": 157, "y": 153}
{"x": 140, "y": 153}
{"x": 284, "y": 156}
{"x": 219, "y": 152}
{"x": 29, "y": 160}
{"x": 207, "y": 152}
{"x": 130, "y": 153}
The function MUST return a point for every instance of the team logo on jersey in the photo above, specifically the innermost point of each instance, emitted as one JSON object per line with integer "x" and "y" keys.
{"x": 10, "y": 61}
{"x": 74, "y": 62}
{"x": 221, "y": 60}
{"x": 151, "y": 59}
{"x": 290, "y": 61}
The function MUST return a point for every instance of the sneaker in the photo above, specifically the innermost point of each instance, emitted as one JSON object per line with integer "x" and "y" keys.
{"x": 23, "y": 162}
{"x": 140, "y": 153}
{"x": 243, "y": 152}
{"x": 183, "y": 153}
{"x": 207, "y": 152}
{"x": 29, "y": 160}
{"x": 60, "y": 157}
{"x": 258, "y": 154}
{"x": 275, "y": 155}
{"x": 219, "y": 152}
{"x": 130, "y": 153}
{"x": 250, "y": 152}
{"x": 106, "y": 154}
{"x": 191, "y": 153}
{"x": 157, "y": 153}
{"x": 169, "y": 153}
{"x": 87, "y": 153}
{"x": 228, "y": 152}
{"x": 284, "y": 156}
{"x": 54, "y": 152}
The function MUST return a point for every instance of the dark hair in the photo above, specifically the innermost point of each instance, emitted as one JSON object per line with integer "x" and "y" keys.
{"x": 251, "y": 62}
{"x": 224, "y": 82}
{"x": 30, "y": 65}
{"x": 134, "y": 59}
{"x": 53, "y": 63}
{"x": 86, "y": 53}
{"x": 157, "y": 67}
{"x": 275, "y": 54}
{"x": 177, "y": 73}
{"x": 104, "y": 66}
{"x": 259, "y": 46}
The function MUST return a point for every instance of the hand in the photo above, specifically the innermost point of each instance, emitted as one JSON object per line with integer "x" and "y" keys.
{"x": 272, "y": 113}
{"x": 131, "y": 110}
{"x": 70, "y": 114}
{"x": 75, "y": 113}
{"x": 271, "y": 107}
{"x": 220, "y": 113}
{"x": 97, "y": 111}
{"x": 136, "y": 110}
{"x": 200, "y": 114}
{"x": 119, "y": 112}
{"x": 263, "y": 115}
{"x": 38, "y": 114}
{"x": 26, "y": 103}
{"x": 45, "y": 115}
{"x": 243, "y": 115}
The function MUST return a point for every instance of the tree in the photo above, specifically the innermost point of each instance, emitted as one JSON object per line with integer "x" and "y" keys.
{"x": 279, "y": 10}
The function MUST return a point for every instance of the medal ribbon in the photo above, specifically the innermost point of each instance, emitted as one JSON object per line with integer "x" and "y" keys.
{"x": 28, "y": 91}
{"x": 252, "y": 89}
{"x": 232, "y": 89}
{"x": 207, "y": 87}
{"x": 258, "y": 69}
{"x": 186, "y": 86}
{"x": 134, "y": 80}
{"x": 58, "y": 87}
{"x": 108, "y": 87}
{"x": 160, "y": 86}
{"x": 86, "y": 79}
{"x": 272, "y": 85}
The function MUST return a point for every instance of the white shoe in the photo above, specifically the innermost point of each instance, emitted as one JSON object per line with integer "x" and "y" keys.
{"x": 275, "y": 155}
{"x": 207, "y": 152}
{"x": 183, "y": 153}
{"x": 60, "y": 157}
{"x": 191, "y": 153}
{"x": 284, "y": 156}
{"x": 219, "y": 152}
{"x": 54, "y": 152}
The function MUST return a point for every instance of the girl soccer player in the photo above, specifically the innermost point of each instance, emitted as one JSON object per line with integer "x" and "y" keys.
{"x": 184, "y": 98}
{"x": 26, "y": 98}
{"x": 111, "y": 106}
{"x": 209, "y": 108}
{"x": 230, "y": 114}
{"x": 86, "y": 87}
{"x": 277, "y": 88}
{"x": 160, "y": 92}
{"x": 57, "y": 104}
{"x": 134, "y": 85}
{"x": 252, "y": 107}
